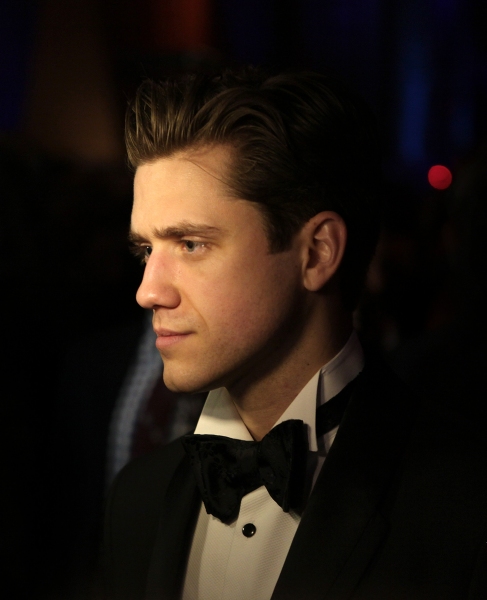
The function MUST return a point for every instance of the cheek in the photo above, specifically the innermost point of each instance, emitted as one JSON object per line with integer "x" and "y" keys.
{"x": 248, "y": 300}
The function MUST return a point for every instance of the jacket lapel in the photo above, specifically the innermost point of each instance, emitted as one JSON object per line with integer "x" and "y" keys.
{"x": 179, "y": 511}
{"x": 342, "y": 527}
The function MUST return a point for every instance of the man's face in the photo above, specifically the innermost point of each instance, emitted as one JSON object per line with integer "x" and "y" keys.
{"x": 225, "y": 309}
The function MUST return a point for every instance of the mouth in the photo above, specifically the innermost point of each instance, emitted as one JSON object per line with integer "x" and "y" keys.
{"x": 167, "y": 337}
{"x": 160, "y": 331}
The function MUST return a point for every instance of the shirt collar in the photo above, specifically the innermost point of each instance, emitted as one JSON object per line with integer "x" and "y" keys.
{"x": 220, "y": 417}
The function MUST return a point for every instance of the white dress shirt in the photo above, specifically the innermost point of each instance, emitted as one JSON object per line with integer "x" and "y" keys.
{"x": 223, "y": 563}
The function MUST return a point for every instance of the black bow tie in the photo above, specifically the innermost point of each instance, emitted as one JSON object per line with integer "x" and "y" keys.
{"x": 227, "y": 469}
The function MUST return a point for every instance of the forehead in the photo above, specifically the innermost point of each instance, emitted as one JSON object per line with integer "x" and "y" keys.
{"x": 188, "y": 186}
{"x": 198, "y": 169}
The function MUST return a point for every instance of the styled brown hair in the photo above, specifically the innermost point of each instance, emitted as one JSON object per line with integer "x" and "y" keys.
{"x": 301, "y": 143}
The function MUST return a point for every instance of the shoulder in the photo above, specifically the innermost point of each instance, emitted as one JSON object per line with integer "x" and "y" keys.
{"x": 435, "y": 505}
{"x": 132, "y": 514}
{"x": 145, "y": 479}
{"x": 133, "y": 504}
{"x": 444, "y": 449}
{"x": 444, "y": 464}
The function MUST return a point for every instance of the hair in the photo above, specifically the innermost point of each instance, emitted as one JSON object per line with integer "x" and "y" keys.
{"x": 301, "y": 143}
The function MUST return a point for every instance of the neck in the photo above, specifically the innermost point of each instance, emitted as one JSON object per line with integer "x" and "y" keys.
{"x": 263, "y": 399}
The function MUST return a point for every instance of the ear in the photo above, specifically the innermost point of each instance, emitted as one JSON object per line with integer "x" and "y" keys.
{"x": 325, "y": 239}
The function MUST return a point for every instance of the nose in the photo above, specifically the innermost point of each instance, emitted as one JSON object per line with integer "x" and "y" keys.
{"x": 157, "y": 288}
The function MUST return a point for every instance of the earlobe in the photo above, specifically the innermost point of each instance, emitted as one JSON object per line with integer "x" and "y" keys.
{"x": 326, "y": 237}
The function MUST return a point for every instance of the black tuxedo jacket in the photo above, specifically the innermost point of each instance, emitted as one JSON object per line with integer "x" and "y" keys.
{"x": 399, "y": 511}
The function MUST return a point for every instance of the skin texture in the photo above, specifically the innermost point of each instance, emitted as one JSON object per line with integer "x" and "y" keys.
{"x": 228, "y": 312}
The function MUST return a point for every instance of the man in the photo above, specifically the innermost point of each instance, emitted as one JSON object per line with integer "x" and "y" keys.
{"x": 256, "y": 214}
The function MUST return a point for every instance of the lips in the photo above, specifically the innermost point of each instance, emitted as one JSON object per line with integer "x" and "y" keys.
{"x": 168, "y": 337}
{"x": 160, "y": 332}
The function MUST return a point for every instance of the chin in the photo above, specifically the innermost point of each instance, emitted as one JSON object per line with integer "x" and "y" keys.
{"x": 186, "y": 383}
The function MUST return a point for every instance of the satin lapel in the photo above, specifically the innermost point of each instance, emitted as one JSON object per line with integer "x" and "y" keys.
{"x": 342, "y": 527}
{"x": 179, "y": 511}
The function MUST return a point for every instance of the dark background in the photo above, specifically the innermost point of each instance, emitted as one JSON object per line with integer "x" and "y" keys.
{"x": 68, "y": 68}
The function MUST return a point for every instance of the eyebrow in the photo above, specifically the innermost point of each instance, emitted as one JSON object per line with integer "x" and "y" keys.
{"x": 179, "y": 230}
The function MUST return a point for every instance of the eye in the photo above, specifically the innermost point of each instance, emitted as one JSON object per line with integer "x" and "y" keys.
{"x": 141, "y": 252}
{"x": 190, "y": 246}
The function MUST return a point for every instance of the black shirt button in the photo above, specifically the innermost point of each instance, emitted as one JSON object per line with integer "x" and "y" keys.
{"x": 249, "y": 529}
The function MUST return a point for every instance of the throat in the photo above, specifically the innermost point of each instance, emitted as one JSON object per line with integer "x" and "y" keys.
{"x": 261, "y": 406}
